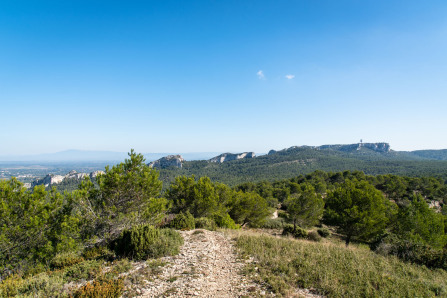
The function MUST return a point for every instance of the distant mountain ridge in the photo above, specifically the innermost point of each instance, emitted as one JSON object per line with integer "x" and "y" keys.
{"x": 376, "y": 147}
{"x": 85, "y": 155}
{"x": 371, "y": 158}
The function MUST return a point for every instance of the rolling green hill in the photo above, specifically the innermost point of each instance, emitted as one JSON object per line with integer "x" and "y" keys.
{"x": 301, "y": 160}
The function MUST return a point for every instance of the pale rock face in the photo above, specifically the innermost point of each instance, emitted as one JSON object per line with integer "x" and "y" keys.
{"x": 224, "y": 157}
{"x": 51, "y": 179}
{"x": 168, "y": 161}
{"x": 94, "y": 174}
{"x": 435, "y": 205}
{"x": 75, "y": 175}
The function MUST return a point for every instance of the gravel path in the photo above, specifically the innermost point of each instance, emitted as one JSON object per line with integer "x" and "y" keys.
{"x": 206, "y": 266}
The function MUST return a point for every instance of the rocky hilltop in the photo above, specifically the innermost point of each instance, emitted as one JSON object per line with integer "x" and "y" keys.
{"x": 168, "y": 161}
{"x": 51, "y": 179}
{"x": 224, "y": 157}
{"x": 376, "y": 147}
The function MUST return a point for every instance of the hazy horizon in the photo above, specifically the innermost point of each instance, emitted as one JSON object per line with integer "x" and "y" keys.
{"x": 77, "y": 155}
{"x": 221, "y": 76}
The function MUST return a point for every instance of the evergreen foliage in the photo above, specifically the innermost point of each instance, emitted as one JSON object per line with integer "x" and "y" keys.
{"x": 205, "y": 223}
{"x": 223, "y": 220}
{"x": 183, "y": 221}
{"x": 323, "y": 232}
{"x": 249, "y": 208}
{"x": 146, "y": 241}
{"x": 294, "y": 231}
{"x": 305, "y": 208}
{"x": 127, "y": 194}
{"x": 34, "y": 226}
{"x": 302, "y": 160}
{"x": 357, "y": 209}
{"x": 419, "y": 223}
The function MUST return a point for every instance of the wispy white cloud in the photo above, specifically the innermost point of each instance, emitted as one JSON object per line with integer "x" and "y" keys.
{"x": 290, "y": 76}
{"x": 261, "y": 75}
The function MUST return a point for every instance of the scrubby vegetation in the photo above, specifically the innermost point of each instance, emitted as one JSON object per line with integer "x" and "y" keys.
{"x": 146, "y": 241}
{"x": 49, "y": 239}
{"x": 183, "y": 221}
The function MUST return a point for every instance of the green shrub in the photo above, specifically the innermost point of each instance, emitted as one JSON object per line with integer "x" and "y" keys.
{"x": 35, "y": 269}
{"x": 274, "y": 223}
{"x": 225, "y": 221}
{"x": 290, "y": 230}
{"x": 414, "y": 252}
{"x": 205, "y": 223}
{"x": 314, "y": 236}
{"x": 145, "y": 241}
{"x": 121, "y": 266}
{"x": 98, "y": 252}
{"x": 104, "y": 288}
{"x": 67, "y": 259}
{"x": 42, "y": 285}
{"x": 183, "y": 221}
{"x": 10, "y": 286}
{"x": 85, "y": 270}
{"x": 168, "y": 244}
{"x": 135, "y": 242}
{"x": 323, "y": 232}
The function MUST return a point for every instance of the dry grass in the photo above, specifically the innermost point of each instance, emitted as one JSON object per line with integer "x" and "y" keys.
{"x": 334, "y": 270}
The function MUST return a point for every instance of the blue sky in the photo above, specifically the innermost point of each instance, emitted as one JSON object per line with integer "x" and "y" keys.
{"x": 197, "y": 76}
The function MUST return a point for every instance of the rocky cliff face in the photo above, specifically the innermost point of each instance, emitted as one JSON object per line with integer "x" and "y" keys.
{"x": 51, "y": 179}
{"x": 168, "y": 161}
{"x": 230, "y": 156}
{"x": 96, "y": 173}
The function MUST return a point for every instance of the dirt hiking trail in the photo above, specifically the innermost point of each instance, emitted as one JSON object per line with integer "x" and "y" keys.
{"x": 207, "y": 266}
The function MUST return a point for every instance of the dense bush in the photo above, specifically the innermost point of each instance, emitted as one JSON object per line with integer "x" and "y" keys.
{"x": 183, "y": 221}
{"x": 324, "y": 232}
{"x": 40, "y": 285}
{"x": 205, "y": 223}
{"x": 85, "y": 270}
{"x": 314, "y": 236}
{"x": 146, "y": 241}
{"x": 97, "y": 252}
{"x": 43, "y": 285}
{"x": 296, "y": 232}
{"x": 168, "y": 244}
{"x": 10, "y": 286}
{"x": 273, "y": 223}
{"x": 105, "y": 288}
{"x": 412, "y": 251}
{"x": 225, "y": 221}
{"x": 248, "y": 208}
{"x": 135, "y": 242}
{"x": 67, "y": 259}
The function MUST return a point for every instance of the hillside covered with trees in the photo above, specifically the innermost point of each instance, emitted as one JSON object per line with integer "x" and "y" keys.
{"x": 294, "y": 161}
